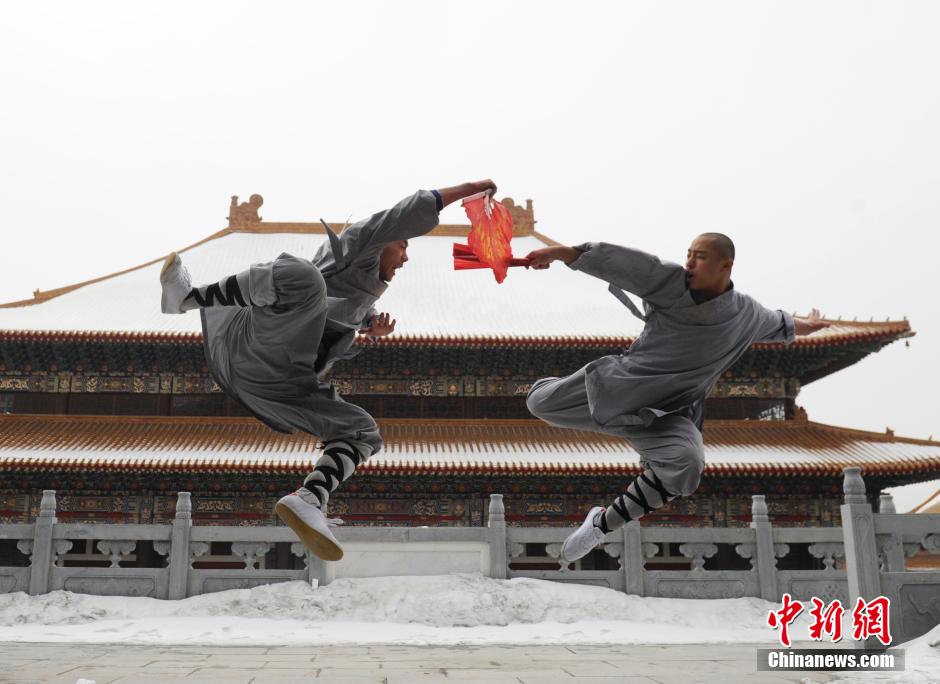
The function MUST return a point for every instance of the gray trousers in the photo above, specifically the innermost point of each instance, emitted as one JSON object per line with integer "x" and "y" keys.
{"x": 265, "y": 356}
{"x": 671, "y": 446}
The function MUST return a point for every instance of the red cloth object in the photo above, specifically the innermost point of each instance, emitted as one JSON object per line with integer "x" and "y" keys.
{"x": 490, "y": 233}
{"x": 464, "y": 259}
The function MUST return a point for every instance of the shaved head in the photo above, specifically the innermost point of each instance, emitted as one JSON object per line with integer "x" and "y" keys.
{"x": 708, "y": 264}
{"x": 723, "y": 244}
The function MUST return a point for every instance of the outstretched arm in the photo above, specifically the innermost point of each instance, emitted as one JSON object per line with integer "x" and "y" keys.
{"x": 414, "y": 216}
{"x": 780, "y": 326}
{"x": 658, "y": 282}
{"x": 542, "y": 258}
{"x": 810, "y": 324}
{"x": 452, "y": 194}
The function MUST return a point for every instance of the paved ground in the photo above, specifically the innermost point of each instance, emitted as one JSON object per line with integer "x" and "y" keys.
{"x": 26, "y": 663}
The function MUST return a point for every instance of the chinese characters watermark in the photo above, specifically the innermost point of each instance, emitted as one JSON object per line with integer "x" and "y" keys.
{"x": 868, "y": 619}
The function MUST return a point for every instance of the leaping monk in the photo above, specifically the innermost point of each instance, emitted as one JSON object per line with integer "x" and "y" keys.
{"x": 696, "y": 325}
{"x": 273, "y": 331}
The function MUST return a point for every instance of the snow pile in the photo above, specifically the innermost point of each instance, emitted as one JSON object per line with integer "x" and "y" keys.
{"x": 450, "y": 609}
{"x": 447, "y": 609}
{"x": 921, "y": 665}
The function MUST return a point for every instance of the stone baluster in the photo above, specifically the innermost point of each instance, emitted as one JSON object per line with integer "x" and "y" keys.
{"x": 496, "y": 537}
{"x": 40, "y": 571}
{"x": 893, "y": 547}
{"x": 632, "y": 561}
{"x": 861, "y": 552}
{"x": 180, "y": 560}
{"x": 251, "y": 552}
{"x": 315, "y": 567}
{"x": 117, "y": 549}
{"x": 766, "y": 558}
{"x": 320, "y": 570}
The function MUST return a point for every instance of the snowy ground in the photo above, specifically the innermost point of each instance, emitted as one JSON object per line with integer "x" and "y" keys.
{"x": 442, "y": 610}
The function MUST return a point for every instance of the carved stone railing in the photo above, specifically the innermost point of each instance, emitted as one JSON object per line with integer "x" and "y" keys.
{"x": 864, "y": 558}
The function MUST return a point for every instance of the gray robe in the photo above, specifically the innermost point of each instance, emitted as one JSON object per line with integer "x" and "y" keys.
{"x": 350, "y": 266}
{"x": 684, "y": 347}
{"x": 273, "y": 358}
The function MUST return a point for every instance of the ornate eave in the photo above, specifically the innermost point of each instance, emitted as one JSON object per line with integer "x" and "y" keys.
{"x": 794, "y": 448}
{"x": 75, "y": 361}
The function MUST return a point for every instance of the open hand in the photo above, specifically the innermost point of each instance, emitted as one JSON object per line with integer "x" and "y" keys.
{"x": 379, "y": 325}
{"x": 815, "y": 321}
{"x": 810, "y": 324}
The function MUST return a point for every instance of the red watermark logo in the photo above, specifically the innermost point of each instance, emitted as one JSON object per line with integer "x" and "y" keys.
{"x": 868, "y": 619}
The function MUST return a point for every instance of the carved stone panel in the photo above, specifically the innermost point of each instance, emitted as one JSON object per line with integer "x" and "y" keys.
{"x": 111, "y": 586}
{"x": 699, "y": 589}
{"x": 826, "y": 590}
{"x": 213, "y": 584}
{"x": 12, "y": 582}
{"x": 920, "y": 608}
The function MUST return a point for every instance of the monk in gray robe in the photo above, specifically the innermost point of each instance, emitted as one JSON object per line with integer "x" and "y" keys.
{"x": 272, "y": 332}
{"x": 696, "y": 325}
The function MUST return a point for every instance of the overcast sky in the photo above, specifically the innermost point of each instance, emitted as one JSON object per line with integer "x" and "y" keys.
{"x": 808, "y": 131}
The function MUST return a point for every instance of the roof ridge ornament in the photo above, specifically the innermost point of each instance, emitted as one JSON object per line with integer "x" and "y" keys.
{"x": 523, "y": 219}
{"x": 246, "y": 213}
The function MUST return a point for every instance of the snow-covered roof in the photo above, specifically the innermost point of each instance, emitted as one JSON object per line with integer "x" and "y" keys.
{"x": 451, "y": 446}
{"x": 428, "y": 298}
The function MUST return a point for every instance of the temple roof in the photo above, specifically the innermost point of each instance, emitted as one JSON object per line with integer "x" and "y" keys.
{"x": 794, "y": 447}
{"x": 432, "y": 303}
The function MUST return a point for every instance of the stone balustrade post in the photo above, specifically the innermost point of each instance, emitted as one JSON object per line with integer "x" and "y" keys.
{"x": 861, "y": 551}
{"x": 496, "y": 537}
{"x": 315, "y": 566}
{"x": 893, "y": 547}
{"x": 40, "y": 570}
{"x": 633, "y": 562}
{"x": 886, "y": 504}
{"x": 180, "y": 558}
{"x": 320, "y": 570}
{"x": 766, "y": 563}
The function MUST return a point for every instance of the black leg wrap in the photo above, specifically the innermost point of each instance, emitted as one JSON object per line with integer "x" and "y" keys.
{"x": 337, "y": 463}
{"x": 214, "y": 296}
{"x": 644, "y": 494}
{"x": 621, "y": 509}
{"x": 657, "y": 484}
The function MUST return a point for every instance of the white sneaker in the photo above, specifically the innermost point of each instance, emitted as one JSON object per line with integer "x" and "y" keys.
{"x": 176, "y": 284}
{"x": 308, "y": 522}
{"x": 580, "y": 542}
